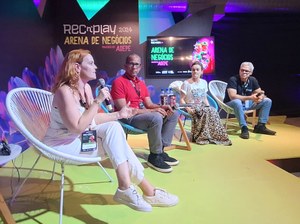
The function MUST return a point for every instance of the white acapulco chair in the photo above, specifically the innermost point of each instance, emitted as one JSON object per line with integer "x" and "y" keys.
{"x": 217, "y": 89}
{"x": 29, "y": 109}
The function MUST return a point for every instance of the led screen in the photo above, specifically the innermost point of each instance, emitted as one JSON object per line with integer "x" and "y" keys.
{"x": 172, "y": 56}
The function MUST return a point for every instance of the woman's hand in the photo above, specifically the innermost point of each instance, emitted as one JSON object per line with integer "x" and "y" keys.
{"x": 127, "y": 112}
{"x": 103, "y": 94}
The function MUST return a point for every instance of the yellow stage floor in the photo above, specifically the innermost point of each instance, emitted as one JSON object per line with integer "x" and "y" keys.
{"x": 216, "y": 185}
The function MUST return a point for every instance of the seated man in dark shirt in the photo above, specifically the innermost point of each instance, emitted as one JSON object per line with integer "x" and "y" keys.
{"x": 159, "y": 121}
{"x": 244, "y": 93}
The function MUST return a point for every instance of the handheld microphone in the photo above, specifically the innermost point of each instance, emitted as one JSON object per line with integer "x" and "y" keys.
{"x": 101, "y": 85}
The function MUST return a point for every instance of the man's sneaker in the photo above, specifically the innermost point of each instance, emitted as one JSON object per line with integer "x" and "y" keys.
{"x": 133, "y": 199}
{"x": 161, "y": 198}
{"x": 157, "y": 162}
{"x": 244, "y": 132}
{"x": 169, "y": 160}
{"x": 262, "y": 129}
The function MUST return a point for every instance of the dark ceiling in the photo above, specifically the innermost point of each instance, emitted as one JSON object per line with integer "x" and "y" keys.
{"x": 246, "y": 6}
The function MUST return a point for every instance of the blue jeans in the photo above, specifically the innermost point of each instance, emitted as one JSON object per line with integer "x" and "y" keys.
{"x": 264, "y": 108}
{"x": 159, "y": 130}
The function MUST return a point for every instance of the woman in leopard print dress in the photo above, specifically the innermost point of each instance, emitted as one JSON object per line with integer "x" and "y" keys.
{"x": 206, "y": 123}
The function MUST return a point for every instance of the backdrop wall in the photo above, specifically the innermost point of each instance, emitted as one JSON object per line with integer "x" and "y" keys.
{"x": 270, "y": 41}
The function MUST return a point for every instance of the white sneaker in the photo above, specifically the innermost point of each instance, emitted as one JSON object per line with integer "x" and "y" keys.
{"x": 161, "y": 198}
{"x": 133, "y": 199}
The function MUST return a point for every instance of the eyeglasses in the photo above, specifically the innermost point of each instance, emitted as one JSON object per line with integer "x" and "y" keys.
{"x": 247, "y": 71}
{"x": 131, "y": 64}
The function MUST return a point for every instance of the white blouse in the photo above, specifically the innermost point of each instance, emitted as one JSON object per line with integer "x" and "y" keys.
{"x": 195, "y": 92}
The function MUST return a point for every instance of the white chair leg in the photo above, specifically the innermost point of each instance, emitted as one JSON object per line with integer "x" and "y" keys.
{"x": 109, "y": 177}
{"x": 21, "y": 185}
{"x": 61, "y": 206}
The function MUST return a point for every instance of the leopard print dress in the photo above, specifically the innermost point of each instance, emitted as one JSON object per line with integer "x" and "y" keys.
{"x": 207, "y": 126}
{"x": 206, "y": 123}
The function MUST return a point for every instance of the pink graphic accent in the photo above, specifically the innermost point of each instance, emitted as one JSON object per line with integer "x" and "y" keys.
{"x": 203, "y": 52}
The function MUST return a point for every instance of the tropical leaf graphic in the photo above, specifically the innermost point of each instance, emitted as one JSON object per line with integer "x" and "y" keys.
{"x": 43, "y": 80}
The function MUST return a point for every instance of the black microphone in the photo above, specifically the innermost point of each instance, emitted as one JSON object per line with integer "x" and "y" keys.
{"x": 101, "y": 85}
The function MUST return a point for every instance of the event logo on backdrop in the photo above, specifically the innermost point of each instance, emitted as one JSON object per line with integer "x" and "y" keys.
{"x": 110, "y": 31}
{"x": 115, "y": 37}
{"x": 108, "y": 28}
{"x": 91, "y": 24}
{"x": 107, "y": 36}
